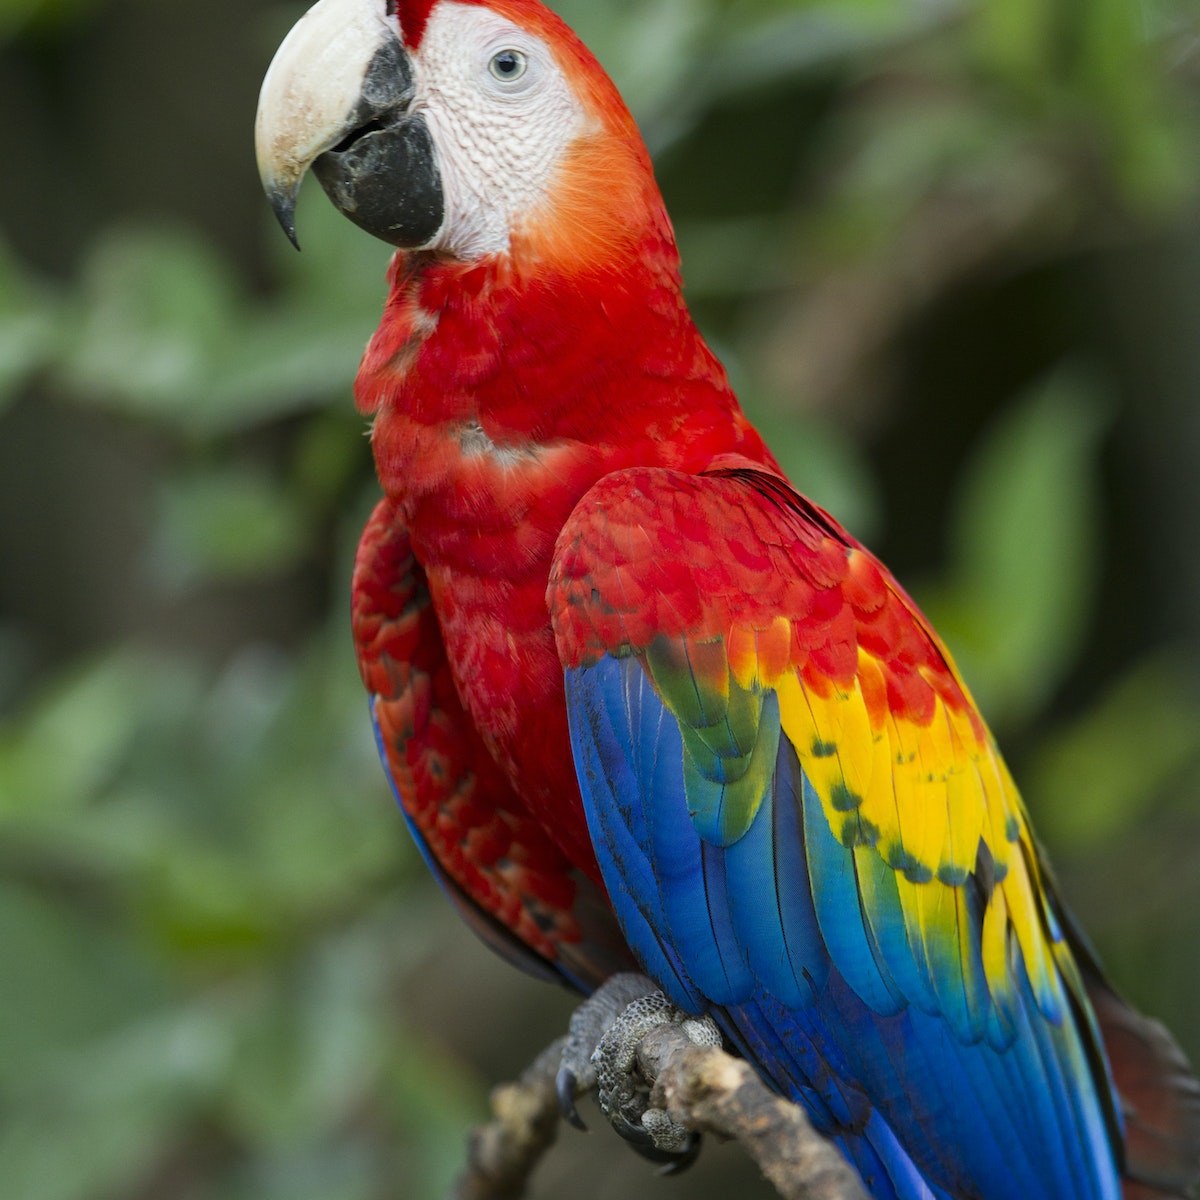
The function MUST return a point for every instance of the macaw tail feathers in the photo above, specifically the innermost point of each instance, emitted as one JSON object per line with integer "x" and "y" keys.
{"x": 1160, "y": 1097}
{"x": 1156, "y": 1086}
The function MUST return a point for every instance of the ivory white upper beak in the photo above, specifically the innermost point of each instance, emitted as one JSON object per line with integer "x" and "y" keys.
{"x": 312, "y": 94}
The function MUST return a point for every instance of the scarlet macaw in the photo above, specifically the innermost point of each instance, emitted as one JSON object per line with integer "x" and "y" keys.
{"x": 640, "y": 701}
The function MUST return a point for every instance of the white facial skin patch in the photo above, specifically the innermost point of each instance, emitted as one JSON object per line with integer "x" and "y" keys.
{"x": 501, "y": 114}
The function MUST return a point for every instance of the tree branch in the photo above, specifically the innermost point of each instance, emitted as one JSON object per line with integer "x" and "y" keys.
{"x": 704, "y": 1088}
{"x": 713, "y": 1092}
{"x": 502, "y": 1154}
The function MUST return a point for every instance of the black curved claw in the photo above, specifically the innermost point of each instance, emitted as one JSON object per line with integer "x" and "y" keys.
{"x": 638, "y": 1136}
{"x": 671, "y": 1162}
{"x": 565, "y": 1087}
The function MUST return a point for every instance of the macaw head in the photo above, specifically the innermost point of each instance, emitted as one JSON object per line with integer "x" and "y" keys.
{"x": 460, "y": 128}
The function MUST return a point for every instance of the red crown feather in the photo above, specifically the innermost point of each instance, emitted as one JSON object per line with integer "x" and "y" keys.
{"x": 533, "y": 14}
{"x": 413, "y": 15}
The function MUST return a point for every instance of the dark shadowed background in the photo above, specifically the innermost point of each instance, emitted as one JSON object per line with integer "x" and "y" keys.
{"x": 950, "y": 252}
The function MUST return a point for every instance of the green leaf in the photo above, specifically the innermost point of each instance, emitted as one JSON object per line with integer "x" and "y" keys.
{"x": 647, "y": 56}
{"x": 72, "y": 977}
{"x": 115, "y": 1107}
{"x": 75, "y": 738}
{"x": 720, "y": 256}
{"x": 28, "y": 326}
{"x": 156, "y": 311}
{"x": 1016, "y": 38}
{"x": 161, "y": 332}
{"x": 1094, "y": 782}
{"x": 1153, "y": 155}
{"x": 226, "y": 524}
{"x": 302, "y": 351}
{"x": 310, "y": 1053}
{"x": 18, "y": 15}
{"x": 1015, "y": 605}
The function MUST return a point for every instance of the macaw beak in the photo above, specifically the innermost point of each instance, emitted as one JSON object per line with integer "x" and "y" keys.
{"x": 337, "y": 98}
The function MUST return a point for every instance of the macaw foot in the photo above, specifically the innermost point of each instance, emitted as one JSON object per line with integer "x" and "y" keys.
{"x": 601, "y": 1052}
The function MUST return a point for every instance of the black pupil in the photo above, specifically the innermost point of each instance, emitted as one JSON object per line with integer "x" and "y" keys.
{"x": 508, "y": 62}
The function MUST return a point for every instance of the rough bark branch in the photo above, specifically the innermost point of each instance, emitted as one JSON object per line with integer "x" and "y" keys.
{"x": 502, "y": 1154}
{"x": 713, "y": 1092}
{"x": 706, "y": 1089}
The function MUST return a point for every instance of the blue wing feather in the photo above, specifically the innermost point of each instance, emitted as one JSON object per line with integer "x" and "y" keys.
{"x": 889, "y": 934}
{"x": 620, "y": 832}
{"x": 774, "y": 922}
{"x": 834, "y": 884}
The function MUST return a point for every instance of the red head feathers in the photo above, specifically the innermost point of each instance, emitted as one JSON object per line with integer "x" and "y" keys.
{"x": 530, "y": 14}
{"x": 413, "y": 15}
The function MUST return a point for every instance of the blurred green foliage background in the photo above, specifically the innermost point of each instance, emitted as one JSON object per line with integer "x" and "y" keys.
{"x": 950, "y": 252}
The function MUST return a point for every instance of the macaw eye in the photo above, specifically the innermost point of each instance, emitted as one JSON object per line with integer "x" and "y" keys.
{"x": 508, "y": 65}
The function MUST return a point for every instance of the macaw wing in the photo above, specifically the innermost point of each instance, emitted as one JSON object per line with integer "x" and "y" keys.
{"x": 505, "y": 876}
{"x": 803, "y": 822}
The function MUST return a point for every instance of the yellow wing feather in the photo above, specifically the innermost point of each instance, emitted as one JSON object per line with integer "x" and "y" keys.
{"x": 935, "y": 801}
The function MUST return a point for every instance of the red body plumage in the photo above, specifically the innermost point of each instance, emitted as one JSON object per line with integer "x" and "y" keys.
{"x": 499, "y": 398}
